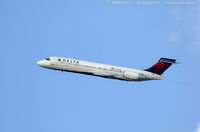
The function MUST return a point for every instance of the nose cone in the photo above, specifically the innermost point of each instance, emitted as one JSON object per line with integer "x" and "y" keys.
{"x": 40, "y": 63}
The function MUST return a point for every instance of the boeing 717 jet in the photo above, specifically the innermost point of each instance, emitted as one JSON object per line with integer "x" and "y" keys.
{"x": 108, "y": 71}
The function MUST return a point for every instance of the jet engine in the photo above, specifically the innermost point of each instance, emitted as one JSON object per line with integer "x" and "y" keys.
{"x": 134, "y": 76}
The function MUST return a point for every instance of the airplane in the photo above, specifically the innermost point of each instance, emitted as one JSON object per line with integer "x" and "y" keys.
{"x": 108, "y": 71}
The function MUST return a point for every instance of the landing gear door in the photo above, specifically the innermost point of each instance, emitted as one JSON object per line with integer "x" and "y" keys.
{"x": 53, "y": 62}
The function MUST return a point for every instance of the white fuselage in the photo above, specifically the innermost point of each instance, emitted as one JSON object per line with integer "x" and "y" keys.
{"x": 97, "y": 69}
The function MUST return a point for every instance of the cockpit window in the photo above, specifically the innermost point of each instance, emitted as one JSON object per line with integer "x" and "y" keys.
{"x": 48, "y": 59}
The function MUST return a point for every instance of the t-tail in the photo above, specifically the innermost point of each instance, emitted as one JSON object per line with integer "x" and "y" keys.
{"x": 161, "y": 66}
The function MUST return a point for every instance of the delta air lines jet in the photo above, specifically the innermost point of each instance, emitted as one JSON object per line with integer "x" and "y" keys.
{"x": 108, "y": 71}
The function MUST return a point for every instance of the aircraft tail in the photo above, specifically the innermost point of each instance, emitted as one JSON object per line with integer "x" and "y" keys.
{"x": 161, "y": 66}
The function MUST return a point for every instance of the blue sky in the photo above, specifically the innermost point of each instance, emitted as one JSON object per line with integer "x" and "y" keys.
{"x": 37, "y": 99}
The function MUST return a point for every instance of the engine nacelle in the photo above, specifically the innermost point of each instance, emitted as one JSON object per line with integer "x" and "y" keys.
{"x": 134, "y": 76}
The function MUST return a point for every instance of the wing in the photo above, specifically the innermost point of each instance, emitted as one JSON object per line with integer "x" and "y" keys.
{"x": 105, "y": 75}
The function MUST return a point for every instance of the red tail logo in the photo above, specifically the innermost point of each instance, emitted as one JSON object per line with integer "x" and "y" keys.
{"x": 161, "y": 66}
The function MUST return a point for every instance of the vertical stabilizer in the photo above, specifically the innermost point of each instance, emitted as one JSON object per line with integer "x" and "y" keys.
{"x": 161, "y": 66}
